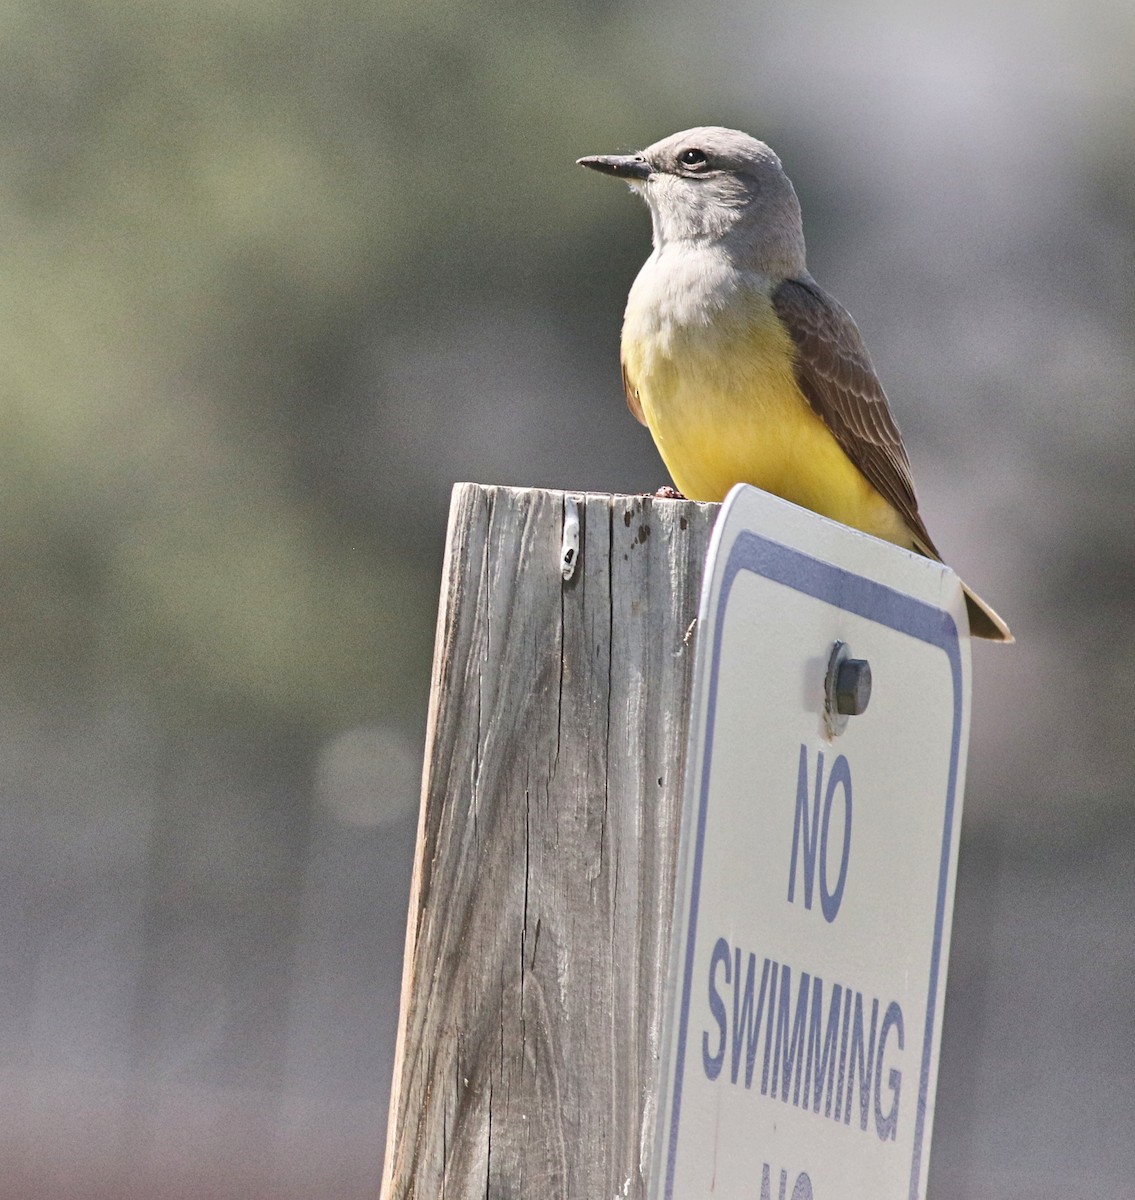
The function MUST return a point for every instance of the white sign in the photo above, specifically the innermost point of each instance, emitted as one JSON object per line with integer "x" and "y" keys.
{"x": 816, "y": 877}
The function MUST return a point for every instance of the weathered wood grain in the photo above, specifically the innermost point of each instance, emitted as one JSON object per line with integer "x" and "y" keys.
{"x": 540, "y": 914}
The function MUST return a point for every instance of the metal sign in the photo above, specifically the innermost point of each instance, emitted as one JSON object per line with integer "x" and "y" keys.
{"x": 824, "y": 783}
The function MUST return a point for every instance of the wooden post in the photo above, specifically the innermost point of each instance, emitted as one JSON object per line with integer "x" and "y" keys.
{"x": 540, "y": 912}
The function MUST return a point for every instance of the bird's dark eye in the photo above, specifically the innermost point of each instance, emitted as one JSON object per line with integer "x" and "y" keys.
{"x": 694, "y": 159}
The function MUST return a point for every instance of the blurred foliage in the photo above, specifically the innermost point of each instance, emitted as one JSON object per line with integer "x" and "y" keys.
{"x": 204, "y": 207}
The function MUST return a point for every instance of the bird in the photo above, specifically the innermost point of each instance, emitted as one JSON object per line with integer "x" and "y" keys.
{"x": 741, "y": 366}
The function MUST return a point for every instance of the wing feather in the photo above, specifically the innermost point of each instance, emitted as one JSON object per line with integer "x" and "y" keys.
{"x": 632, "y": 398}
{"x": 835, "y": 374}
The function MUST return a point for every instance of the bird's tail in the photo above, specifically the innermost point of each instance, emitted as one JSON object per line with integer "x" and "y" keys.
{"x": 984, "y": 622}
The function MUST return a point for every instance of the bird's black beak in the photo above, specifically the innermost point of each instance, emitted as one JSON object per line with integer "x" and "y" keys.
{"x": 622, "y": 166}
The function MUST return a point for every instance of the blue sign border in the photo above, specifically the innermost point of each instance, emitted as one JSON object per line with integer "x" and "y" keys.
{"x": 876, "y": 602}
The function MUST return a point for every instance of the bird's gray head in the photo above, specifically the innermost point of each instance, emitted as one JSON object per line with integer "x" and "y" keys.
{"x": 721, "y": 187}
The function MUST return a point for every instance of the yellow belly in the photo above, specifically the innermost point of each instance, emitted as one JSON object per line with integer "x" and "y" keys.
{"x": 723, "y": 407}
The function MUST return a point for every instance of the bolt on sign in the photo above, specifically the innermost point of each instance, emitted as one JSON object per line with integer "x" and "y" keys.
{"x": 823, "y": 797}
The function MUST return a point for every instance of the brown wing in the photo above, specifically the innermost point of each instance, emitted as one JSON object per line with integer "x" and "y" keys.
{"x": 632, "y": 398}
{"x": 835, "y": 374}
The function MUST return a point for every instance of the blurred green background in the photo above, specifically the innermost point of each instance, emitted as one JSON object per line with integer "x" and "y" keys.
{"x": 274, "y": 275}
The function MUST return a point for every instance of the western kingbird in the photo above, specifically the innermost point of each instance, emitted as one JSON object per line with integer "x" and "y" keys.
{"x": 741, "y": 366}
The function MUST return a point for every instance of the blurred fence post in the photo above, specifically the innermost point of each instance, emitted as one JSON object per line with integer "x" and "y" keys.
{"x": 541, "y": 904}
